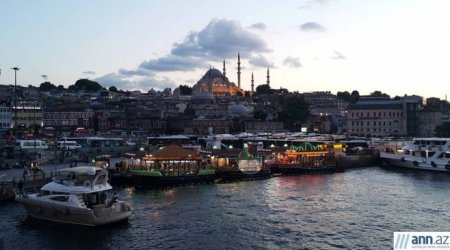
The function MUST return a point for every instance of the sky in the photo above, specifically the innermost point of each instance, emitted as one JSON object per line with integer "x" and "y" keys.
{"x": 398, "y": 47}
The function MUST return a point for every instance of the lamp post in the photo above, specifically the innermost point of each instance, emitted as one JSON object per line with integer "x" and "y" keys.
{"x": 15, "y": 97}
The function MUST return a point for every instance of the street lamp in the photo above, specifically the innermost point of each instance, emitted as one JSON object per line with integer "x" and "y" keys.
{"x": 15, "y": 96}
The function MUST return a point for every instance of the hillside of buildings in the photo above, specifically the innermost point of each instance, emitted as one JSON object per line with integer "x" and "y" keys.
{"x": 220, "y": 108}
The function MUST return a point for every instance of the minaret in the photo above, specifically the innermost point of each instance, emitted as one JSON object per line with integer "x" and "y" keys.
{"x": 268, "y": 77}
{"x": 224, "y": 71}
{"x": 239, "y": 71}
{"x": 253, "y": 83}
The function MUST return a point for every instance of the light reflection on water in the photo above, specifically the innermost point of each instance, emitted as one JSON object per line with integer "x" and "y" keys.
{"x": 358, "y": 209}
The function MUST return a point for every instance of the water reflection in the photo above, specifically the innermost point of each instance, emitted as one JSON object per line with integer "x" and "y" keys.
{"x": 358, "y": 209}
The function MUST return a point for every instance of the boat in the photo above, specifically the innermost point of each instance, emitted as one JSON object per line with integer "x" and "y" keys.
{"x": 304, "y": 159}
{"x": 431, "y": 154}
{"x": 76, "y": 195}
{"x": 244, "y": 166}
{"x": 171, "y": 165}
{"x": 356, "y": 153}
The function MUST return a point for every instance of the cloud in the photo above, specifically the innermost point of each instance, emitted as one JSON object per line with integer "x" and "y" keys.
{"x": 89, "y": 72}
{"x": 173, "y": 63}
{"x": 137, "y": 72}
{"x": 292, "y": 62}
{"x": 261, "y": 61}
{"x": 338, "y": 56}
{"x": 129, "y": 83}
{"x": 258, "y": 26}
{"x": 311, "y": 3}
{"x": 312, "y": 27}
{"x": 220, "y": 39}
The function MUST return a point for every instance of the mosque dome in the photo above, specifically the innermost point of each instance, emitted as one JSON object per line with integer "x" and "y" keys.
{"x": 217, "y": 83}
{"x": 238, "y": 109}
{"x": 213, "y": 73}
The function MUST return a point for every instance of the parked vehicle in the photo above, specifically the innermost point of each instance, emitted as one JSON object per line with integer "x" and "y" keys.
{"x": 67, "y": 145}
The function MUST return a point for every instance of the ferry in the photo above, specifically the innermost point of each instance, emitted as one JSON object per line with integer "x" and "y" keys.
{"x": 431, "y": 154}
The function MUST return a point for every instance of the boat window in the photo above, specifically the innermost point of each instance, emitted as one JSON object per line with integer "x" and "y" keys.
{"x": 60, "y": 198}
{"x": 441, "y": 155}
{"x": 416, "y": 142}
{"x": 423, "y": 153}
{"x": 431, "y": 153}
{"x": 447, "y": 155}
{"x": 413, "y": 153}
{"x": 407, "y": 152}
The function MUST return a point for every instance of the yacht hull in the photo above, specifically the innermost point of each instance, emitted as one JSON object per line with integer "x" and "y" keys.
{"x": 75, "y": 215}
{"x": 399, "y": 162}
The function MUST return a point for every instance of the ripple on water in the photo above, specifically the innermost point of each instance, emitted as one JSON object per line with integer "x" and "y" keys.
{"x": 358, "y": 209}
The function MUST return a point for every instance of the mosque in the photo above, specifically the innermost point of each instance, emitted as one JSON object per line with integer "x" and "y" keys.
{"x": 216, "y": 83}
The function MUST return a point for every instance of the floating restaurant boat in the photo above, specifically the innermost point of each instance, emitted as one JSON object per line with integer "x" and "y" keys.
{"x": 431, "y": 154}
{"x": 356, "y": 153}
{"x": 244, "y": 166}
{"x": 304, "y": 159}
{"x": 76, "y": 196}
{"x": 171, "y": 165}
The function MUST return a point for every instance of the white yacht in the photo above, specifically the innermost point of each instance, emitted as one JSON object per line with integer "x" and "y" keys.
{"x": 422, "y": 153}
{"x": 77, "y": 196}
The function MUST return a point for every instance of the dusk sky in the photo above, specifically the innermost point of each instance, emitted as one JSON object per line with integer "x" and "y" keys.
{"x": 399, "y": 47}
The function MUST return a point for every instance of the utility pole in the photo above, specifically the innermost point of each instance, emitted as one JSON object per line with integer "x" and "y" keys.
{"x": 15, "y": 98}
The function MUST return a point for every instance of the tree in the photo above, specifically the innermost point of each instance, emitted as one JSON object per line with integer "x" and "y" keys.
{"x": 295, "y": 110}
{"x": 185, "y": 90}
{"x": 443, "y": 130}
{"x": 354, "y": 96}
{"x": 344, "y": 96}
{"x": 264, "y": 89}
{"x": 113, "y": 89}
{"x": 236, "y": 125}
{"x": 86, "y": 85}
{"x": 60, "y": 87}
{"x": 378, "y": 93}
{"x": 46, "y": 86}
{"x": 260, "y": 115}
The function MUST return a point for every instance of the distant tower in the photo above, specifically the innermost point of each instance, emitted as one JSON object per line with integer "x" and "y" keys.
{"x": 268, "y": 77}
{"x": 239, "y": 71}
{"x": 224, "y": 71}
{"x": 253, "y": 83}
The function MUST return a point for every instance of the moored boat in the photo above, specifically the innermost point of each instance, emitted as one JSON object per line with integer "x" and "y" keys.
{"x": 171, "y": 165}
{"x": 243, "y": 166}
{"x": 304, "y": 159}
{"x": 76, "y": 196}
{"x": 431, "y": 154}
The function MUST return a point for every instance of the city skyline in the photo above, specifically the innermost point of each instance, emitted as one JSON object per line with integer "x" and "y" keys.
{"x": 315, "y": 45}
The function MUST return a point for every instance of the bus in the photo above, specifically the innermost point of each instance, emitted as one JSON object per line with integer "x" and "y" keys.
{"x": 31, "y": 145}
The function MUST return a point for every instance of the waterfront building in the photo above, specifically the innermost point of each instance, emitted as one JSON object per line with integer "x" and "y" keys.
{"x": 68, "y": 118}
{"x": 29, "y": 114}
{"x": 5, "y": 116}
{"x": 382, "y": 116}
{"x": 263, "y": 126}
{"x": 207, "y": 126}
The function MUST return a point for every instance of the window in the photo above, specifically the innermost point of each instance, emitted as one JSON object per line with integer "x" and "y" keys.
{"x": 60, "y": 198}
